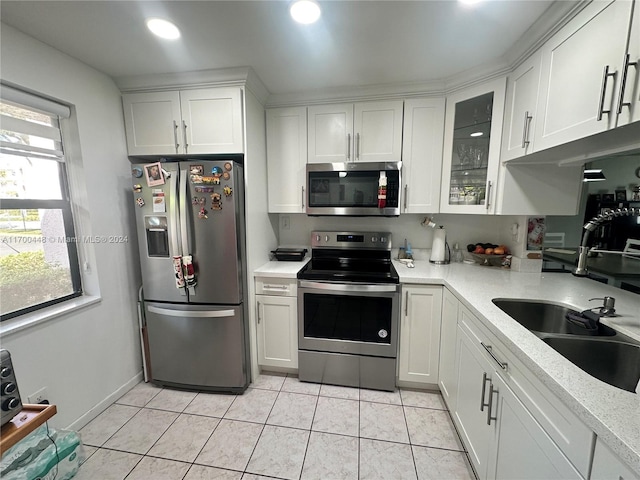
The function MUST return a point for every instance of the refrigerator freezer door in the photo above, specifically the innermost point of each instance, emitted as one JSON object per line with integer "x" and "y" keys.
{"x": 156, "y": 210}
{"x": 197, "y": 347}
{"x": 212, "y": 222}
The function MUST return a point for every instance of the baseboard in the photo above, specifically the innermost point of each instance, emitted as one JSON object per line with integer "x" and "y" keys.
{"x": 104, "y": 404}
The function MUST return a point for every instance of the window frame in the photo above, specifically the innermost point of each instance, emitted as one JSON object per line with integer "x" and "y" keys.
{"x": 64, "y": 204}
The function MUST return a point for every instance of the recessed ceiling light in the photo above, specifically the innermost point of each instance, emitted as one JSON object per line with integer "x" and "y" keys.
{"x": 305, "y": 11}
{"x": 476, "y": 134}
{"x": 163, "y": 28}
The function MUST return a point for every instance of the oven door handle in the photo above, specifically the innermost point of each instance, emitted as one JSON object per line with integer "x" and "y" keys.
{"x": 349, "y": 287}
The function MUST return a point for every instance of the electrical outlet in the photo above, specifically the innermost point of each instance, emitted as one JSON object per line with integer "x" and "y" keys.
{"x": 41, "y": 396}
{"x": 285, "y": 222}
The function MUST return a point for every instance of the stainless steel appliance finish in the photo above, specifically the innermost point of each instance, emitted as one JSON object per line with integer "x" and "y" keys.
{"x": 196, "y": 334}
{"x": 348, "y": 311}
{"x": 352, "y": 188}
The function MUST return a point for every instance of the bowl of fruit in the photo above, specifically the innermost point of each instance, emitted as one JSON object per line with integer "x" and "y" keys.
{"x": 488, "y": 254}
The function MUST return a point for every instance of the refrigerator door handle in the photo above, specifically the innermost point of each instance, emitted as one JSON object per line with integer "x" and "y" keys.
{"x": 183, "y": 213}
{"x": 173, "y": 213}
{"x": 184, "y": 232}
{"x": 192, "y": 313}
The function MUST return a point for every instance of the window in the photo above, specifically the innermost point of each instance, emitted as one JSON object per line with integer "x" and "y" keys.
{"x": 38, "y": 253}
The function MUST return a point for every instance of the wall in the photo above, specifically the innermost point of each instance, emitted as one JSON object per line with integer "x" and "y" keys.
{"x": 261, "y": 227}
{"x": 83, "y": 358}
{"x": 463, "y": 229}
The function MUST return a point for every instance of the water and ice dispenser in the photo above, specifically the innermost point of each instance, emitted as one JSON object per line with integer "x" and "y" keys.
{"x": 157, "y": 236}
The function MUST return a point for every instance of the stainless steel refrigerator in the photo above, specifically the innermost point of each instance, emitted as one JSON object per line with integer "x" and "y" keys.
{"x": 190, "y": 224}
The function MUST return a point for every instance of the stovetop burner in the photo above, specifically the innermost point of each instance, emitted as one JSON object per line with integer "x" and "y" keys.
{"x": 363, "y": 257}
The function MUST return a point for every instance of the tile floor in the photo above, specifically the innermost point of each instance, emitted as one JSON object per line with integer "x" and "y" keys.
{"x": 279, "y": 428}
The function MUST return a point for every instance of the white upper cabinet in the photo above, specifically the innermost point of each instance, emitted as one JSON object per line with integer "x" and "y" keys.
{"x": 628, "y": 106}
{"x": 204, "y": 121}
{"x": 367, "y": 131}
{"x": 152, "y": 121}
{"x": 212, "y": 120}
{"x": 473, "y": 129}
{"x": 286, "y": 158}
{"x": 520, "y": 109}
{"x": 582, "y": 68}
{"x": 423, "y": 134}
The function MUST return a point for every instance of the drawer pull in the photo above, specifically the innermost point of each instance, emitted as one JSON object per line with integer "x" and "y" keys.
{"x": 490, "y": 405}
{"x": 489, "y": 349}
{"x": 276, "y": 287}
{"x": 484, "y": 389}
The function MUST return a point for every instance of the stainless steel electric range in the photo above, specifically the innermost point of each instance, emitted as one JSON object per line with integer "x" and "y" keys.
{"x": 348, "y": 311}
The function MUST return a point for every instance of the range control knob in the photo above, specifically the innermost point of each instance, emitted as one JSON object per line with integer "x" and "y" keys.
{"x": 8, "y": 388}
{"x": 374, "y": 239}
{"x": 383, "y": 239}
{"x": 5, "y": 372}
{"x": 10, "y": 404}
{"x": 326, "y": 238}
{"x": 317, "y": 238}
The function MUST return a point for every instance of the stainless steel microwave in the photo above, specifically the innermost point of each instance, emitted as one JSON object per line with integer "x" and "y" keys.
{"x": 352, "y": 189}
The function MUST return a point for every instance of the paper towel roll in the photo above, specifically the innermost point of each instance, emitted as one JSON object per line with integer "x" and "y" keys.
{"x": 438, "y": 246}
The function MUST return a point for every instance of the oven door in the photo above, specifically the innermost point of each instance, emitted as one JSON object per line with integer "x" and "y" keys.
{"x": 340, "y": 317}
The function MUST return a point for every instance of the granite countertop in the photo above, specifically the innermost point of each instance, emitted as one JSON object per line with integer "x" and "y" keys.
{"x": 613, "y": 414}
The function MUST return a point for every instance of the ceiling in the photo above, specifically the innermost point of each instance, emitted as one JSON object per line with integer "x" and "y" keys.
{"x": 355, "y": 43}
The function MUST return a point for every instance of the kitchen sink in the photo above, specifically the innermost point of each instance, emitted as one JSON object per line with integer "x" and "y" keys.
{"x": 544, "y": 317}
{"x": 603, "y": 353}
{"x": 613, "y": 362}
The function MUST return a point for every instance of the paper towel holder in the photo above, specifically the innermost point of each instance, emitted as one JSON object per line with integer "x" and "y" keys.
{"x": 440, "y": 252}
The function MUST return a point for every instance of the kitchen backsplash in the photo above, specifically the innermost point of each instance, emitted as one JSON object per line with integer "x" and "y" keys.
{"x": 463, "y": 229}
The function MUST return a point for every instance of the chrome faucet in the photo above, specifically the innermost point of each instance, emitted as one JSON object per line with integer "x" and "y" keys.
{"x": 590, "y": 226}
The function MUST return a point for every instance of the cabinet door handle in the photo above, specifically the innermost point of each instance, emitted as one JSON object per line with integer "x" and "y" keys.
{"x": 490, "y": 404}
{"x": 186, "y": 144}
{"x": 175, "y": 135}
{"x": 357, "y": 146}
{"x": 258, "y": 312}
{"x": 406, "y": 304}
{"x": 488, "y": 195}
{"x": 623, "y": 83}
{"x": 303, "y": 198}
{"x": 489, "y": 349}
{"x": 605, "y": 77}
{"x": 406, "y": 190}
{"x": 348, "y": 147}
{"x": 525, "y": 131}
{"x": 484, "y": 389}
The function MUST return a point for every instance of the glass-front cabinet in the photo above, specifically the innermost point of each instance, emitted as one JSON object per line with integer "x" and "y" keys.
{"x": 473, "y": 129}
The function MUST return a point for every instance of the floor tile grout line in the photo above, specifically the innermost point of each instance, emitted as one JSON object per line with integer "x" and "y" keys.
{"x": 313, "y": 417}
{"x": 261, "y": 432}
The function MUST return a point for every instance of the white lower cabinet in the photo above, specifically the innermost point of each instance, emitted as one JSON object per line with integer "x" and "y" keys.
{"x": 607, "y": 466}
{"x": 277, "y": 328}
{"x": 511, "y": 426}
{"x": 447, "y": 371}
{"x": 522, "y": 449}
{"x": 419, "y": 348}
